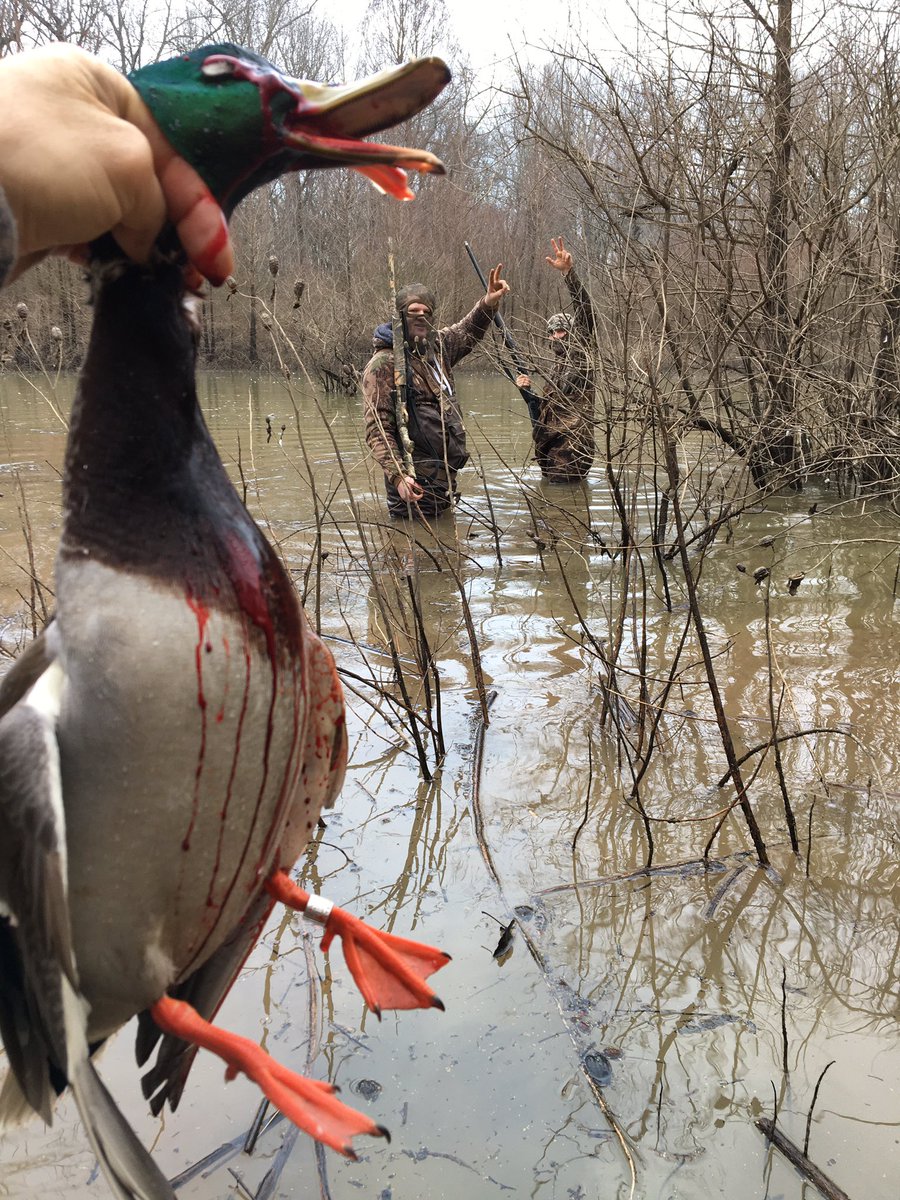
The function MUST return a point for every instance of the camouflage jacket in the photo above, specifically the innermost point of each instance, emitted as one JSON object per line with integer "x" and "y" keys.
{"x": 433, "y": 414}
{"x": 564, "y": 431}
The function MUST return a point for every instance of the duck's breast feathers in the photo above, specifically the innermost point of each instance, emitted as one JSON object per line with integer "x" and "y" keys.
{"x": 181, "y": 743}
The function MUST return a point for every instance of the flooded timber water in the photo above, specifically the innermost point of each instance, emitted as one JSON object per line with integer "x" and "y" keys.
{"x": 642, "y": 1020}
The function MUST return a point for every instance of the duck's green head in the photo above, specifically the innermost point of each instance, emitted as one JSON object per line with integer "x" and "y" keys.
{"x": 241, "y": 122}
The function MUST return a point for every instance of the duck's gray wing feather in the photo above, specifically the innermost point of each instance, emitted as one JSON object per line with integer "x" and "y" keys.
{"x": 130, "y": 1171}
{"x": 27, "y": 669}
{"x": 35, "y": 944}
{"x": 43, "y": 1017}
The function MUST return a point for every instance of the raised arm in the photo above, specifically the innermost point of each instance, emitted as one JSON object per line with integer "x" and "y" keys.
{"x": 459, "y": 339}
{"x": 561, "y": 260}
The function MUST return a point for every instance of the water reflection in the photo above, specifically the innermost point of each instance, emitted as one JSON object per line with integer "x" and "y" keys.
{"x": 670, "y": 991}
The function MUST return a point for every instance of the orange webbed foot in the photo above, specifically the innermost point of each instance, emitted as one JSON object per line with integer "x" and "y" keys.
{"x": 389, "y": 971}
{"x": 310, "y": 1103}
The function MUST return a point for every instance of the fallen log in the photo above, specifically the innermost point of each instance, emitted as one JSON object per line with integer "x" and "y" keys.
{"x": 798, "y": 1159}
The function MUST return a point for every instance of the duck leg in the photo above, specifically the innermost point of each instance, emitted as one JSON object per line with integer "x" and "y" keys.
{"x": 310, "y": 1103}
{"x": 389, "y": 971}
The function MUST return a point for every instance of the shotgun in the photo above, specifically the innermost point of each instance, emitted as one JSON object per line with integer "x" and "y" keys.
{"x": 531, "y": 400}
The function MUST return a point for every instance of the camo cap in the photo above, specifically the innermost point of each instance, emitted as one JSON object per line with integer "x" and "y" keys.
{"x": 416, "y": 293}
{"x": 559, "y": 321}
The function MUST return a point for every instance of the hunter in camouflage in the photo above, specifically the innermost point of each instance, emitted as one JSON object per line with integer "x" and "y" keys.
{"x": 434, "y": 419}
{"x": 564, "y": 430}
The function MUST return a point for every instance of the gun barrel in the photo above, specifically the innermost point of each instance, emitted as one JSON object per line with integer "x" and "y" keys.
{"x": 515, "y": 355}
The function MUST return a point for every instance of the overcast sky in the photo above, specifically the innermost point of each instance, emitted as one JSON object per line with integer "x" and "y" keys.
{"x": 489, "y": 30}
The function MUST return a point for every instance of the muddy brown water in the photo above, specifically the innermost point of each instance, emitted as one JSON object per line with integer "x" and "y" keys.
{"x": 638, "y": 1022}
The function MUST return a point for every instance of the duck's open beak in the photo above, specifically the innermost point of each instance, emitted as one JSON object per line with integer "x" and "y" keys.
{"x": 327, "y": 124}
{"x": 331, "y": 121}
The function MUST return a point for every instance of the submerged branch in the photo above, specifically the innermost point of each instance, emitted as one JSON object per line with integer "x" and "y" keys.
{"x": 798, "y": 1159}
{"x": 690, "y": 866}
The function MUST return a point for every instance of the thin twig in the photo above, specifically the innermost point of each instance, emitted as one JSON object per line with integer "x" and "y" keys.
{"x": 809, "y": 1115}
{"x": 784, "y": 1032}
{"x": 587, "y": 797}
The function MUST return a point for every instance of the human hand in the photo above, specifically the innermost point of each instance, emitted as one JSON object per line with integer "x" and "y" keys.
{"x": 81, "y": 155}
{"x": 497, "y": 288}
{"x": 561, "y": 259}
{"x": 523, "y": 381}
{"x": 410, "y": 490}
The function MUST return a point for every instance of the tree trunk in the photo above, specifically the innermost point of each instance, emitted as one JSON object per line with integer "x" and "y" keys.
{"x": 252, "y": 351}
{"x": 885, "y": 371}
{"x": 777, "y": 432}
